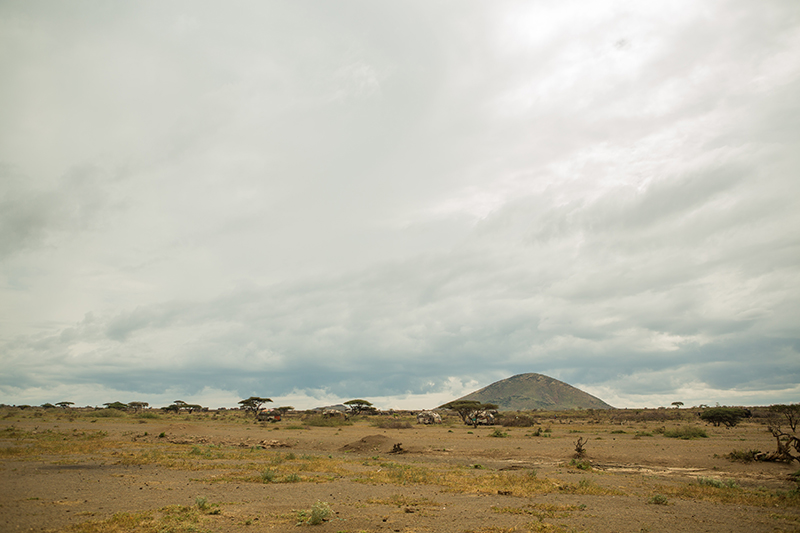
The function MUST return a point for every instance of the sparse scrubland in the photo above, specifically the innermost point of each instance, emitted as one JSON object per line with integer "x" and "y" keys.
{"x": 85, "y": 471}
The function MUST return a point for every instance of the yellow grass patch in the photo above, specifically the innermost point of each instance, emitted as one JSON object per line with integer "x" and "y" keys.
{"x": 175, "y": 518}
{"x": 25, "y": 444}
{"x": 401, "y": 500}
{"x": 734, "y": 495}
{"x": 541, "y": 510}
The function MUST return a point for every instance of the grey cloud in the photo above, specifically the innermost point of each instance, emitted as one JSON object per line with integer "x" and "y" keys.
{"x": 306, "y": 198}
{"x": 30, "y": 217}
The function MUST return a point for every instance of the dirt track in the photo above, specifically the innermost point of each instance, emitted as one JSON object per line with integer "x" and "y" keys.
{"x": 59, "y": 472}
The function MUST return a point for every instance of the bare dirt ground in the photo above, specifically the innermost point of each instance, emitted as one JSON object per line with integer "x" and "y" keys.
{"x": 182, "y": 473}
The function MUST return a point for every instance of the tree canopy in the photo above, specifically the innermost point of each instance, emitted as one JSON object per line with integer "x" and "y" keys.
{"x": 790, "y": 414}
{"x": 358, "y": 405}
{"x": 253, "y": 404}
{"x": 469, "y": 409}
{"x": 138, "y": 406}
{"x": 727, "y": 416}
{"x": 787, "y": 441}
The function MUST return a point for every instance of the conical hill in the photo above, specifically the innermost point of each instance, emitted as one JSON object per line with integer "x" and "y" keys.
{"x": 535, "y": 391}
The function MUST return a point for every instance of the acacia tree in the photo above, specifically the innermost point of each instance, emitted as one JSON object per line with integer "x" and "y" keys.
{"x": 790, "y": 414}
{"x": 788, "y": 443}
{"x": 253, "y": 404}
{"x": 677, "y": 405}
{"x": 358, "y": 405}
{"x": 117, "y": 405}
{"x": 468, "y": 409}
{"x": 65, "y": 405}
{"x": 138, "y": 406}
{"x": 727, "y": 416}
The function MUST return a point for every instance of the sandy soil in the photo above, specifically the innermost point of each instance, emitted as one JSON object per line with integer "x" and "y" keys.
{"x": 55, "y": 490}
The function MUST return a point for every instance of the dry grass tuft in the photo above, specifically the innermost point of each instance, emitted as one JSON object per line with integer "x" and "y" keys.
{"x": 28, "y": 444}
{"x": 401, "y": 500}
{"x": 175, "y": 519}
{"x": 541, "y": 510}
{"x": 734, "y": 495}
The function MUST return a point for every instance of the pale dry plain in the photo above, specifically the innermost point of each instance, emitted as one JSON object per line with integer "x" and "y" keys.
{"x": 206, "y": 472}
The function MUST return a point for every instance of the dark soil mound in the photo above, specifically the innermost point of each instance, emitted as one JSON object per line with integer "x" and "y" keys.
{"x": 370, "y": 444}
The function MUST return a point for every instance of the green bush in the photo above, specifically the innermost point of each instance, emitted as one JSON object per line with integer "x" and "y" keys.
{"x": 658, "y": 499}
{"x": 320, "y": 512}
{"x": 717, "y": 483}
{"x": 268, "y": 476}
{"x": 727, "y": 416}
{"x": 498, "y": 433}
{"x": 580, "y": 465}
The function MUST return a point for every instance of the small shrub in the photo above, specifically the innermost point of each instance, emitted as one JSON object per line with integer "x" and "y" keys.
{"x": 581, "y": 465}
{"x": 742, "y": 456}
{"x": 268, "y": 476}
{"x": 162, "y": 435}
{"x": 580, "y": 447}
{"x": 717, "y": 483}
{"x": 617, "y": 432}
{"x": 686, "y": 433}
{"x": 498, "y": 433}
{"x": 291, "y": 478}
{"x": 658, "y": 499}
{"x": 320, "y": 512}
{"x": 202, "y": 503}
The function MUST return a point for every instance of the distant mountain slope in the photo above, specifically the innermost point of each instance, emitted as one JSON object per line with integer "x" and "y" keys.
{"x": 535, "y": 391}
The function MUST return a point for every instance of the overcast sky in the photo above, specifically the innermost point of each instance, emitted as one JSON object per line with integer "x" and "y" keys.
{"x": 399, "y": 201}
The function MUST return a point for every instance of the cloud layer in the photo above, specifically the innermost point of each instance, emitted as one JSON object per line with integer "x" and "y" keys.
{"x": 400, "y": 203}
